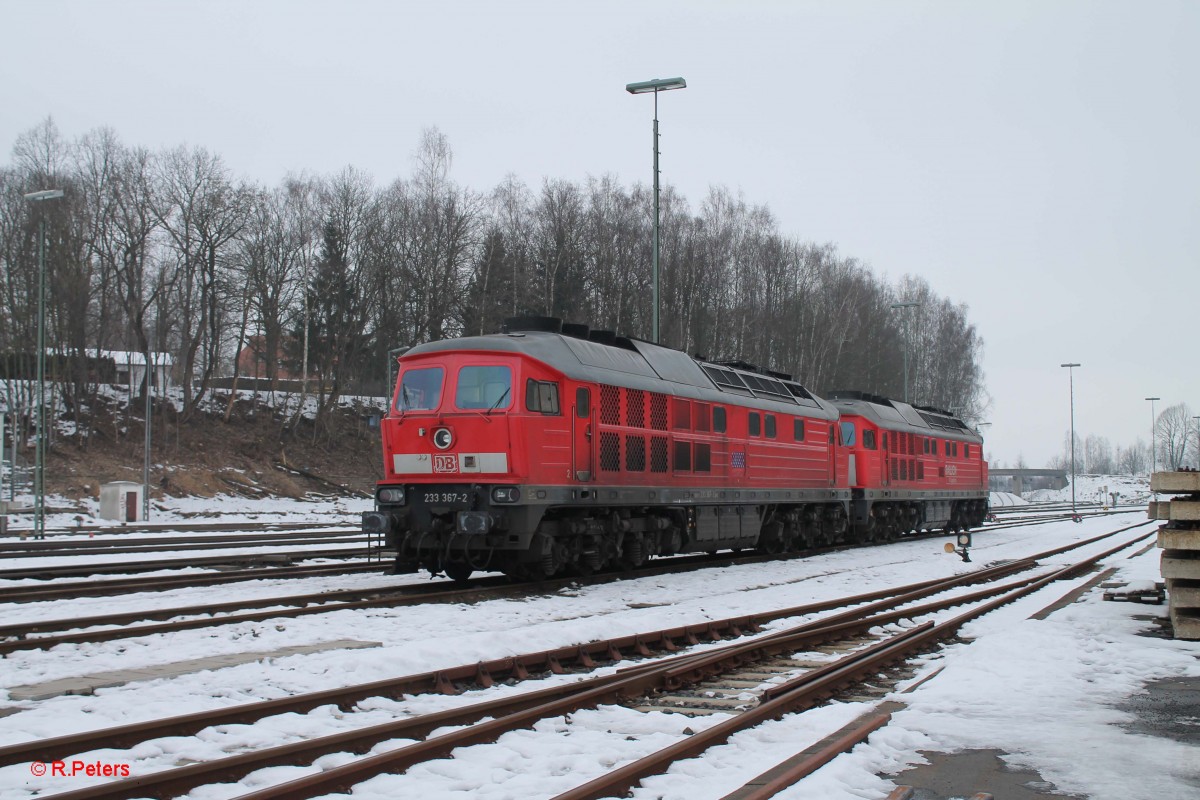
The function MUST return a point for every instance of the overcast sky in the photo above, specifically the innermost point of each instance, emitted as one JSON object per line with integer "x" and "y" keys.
{"x": 1036, "y": 161}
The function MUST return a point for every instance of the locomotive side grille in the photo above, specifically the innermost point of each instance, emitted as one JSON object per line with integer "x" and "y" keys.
{"x": 658, "y": 454}
{"x": 658, "y": 411}
{"x": 610, "y": 452}
{"x": 635, "y": 408}
{"x": 635, "y": 453}
{"x": 610, "y": 405}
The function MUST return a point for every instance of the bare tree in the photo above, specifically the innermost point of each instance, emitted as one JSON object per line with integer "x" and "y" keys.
{"x": 202, "y": 212}
{"x": 1098, "y": 455}
{"x": 1172, "y": 430}
{"x": 1135, "y": 459}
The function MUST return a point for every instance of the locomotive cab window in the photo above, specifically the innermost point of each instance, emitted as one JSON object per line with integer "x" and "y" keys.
{"x": 966, "y": 451}
{"x": 869, "y": 440}
{"x": 541, "y": 396}
{"x": 769, "y": 425}
{"x": 583, "y": 403}
{"x": 718, "y": 419}
{"x": 483, "y": 388}
{"x": 420, "y": 389}
{"x": 755, "y": 424}
{"x": 798, "y": 429}
{"x": 848, "y": 433}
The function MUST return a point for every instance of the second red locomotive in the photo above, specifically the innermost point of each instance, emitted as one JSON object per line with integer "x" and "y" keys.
{"x": 551, "y": 448}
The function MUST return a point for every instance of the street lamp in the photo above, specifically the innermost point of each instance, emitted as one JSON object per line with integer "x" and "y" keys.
{"x": 39, "y": 474}
{"x": 1071, "y": 371}
{"x": 656, "y": 85}
{"x": 1153, "y": 438}
{"x": 1197, "y": 441}
{"x": 906, "y": 305}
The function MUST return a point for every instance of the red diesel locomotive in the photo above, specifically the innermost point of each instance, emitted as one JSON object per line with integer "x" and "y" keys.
{"x": 551, "y": 449}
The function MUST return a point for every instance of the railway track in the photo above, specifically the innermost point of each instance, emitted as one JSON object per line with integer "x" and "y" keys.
{"x": 125, "y": 568}
{"x": 27, "y": 635}
{"x": 93, "y": 547}
{"x": 103, "y": 588}
{"x": 32, "y": 635}
{"x": 1043, "y": 519}
{"x": 799, "y": 684}
{"x": 172, "y": 527}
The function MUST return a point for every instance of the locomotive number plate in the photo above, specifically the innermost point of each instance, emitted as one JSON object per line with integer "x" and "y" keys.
{"x": 462, "y": 499}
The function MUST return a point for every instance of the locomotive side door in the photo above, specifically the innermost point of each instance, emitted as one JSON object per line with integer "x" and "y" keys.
{"x": 582, "y": 436}
{"x": 885, "y": 460}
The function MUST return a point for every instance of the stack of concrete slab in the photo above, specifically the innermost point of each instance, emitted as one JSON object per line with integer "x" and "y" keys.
{"x": 1180, "y": 543}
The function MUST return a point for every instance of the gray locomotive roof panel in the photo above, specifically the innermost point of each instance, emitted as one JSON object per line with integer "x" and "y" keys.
{"x": 602, "y": 356}
{"x": 892, "y": 418}
{"x": 582, "y": 360}
{"x": 672, "y": 365}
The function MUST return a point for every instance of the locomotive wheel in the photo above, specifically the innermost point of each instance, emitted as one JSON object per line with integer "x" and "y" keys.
{"x": 770, "y": 540}
{"x": 457, "y": 571}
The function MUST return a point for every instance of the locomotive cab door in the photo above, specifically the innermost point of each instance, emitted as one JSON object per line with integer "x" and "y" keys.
{"x": 582, "y": 436}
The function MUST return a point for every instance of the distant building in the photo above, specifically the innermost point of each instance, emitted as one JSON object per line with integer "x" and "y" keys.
{"x": 252, "y": 360}
{"x": 131, "y": 368}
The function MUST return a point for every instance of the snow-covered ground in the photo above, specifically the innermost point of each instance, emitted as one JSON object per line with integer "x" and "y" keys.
{"x": 1097, "y": 489}
{"x": 1045, "y": 692}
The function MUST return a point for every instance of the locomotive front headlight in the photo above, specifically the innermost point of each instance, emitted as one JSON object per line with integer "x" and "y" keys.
{"x": 506, "y": 494}
{"x": 391, "y": 495}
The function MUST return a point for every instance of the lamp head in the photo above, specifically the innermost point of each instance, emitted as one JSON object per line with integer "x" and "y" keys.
{"x": 655, "y": 85}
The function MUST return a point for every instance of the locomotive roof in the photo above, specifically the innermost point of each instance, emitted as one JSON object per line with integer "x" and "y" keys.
{"x": 636, "y": 364}
{"x": 897, "y": 415}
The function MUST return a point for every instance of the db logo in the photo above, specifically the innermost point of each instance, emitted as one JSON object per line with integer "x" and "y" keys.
{"x": 445, "y": 463}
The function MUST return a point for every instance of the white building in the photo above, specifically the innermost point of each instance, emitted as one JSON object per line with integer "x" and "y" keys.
{"x": 131, "y": 368}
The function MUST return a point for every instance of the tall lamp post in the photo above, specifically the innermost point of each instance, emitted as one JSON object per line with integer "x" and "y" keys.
{"x": 1071, "y": 371}
{"x": 656, "y": 85}
{"x": 906, "y": 305}
{"x": 1197, "y": 441}
{"x": 39, "y": 474}
{"x": 1153, "y": 437}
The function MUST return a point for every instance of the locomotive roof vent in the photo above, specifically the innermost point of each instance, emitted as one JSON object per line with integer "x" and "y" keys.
{"x": 576, "y": 330}
{"x": 544, "y": 324}
{"x": 602, "y": 337}
{"x": 853, "y": 394}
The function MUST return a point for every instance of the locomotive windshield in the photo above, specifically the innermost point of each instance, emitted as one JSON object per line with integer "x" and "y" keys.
{"x": 483, "y": 388}
{"x": 420, "y": 389}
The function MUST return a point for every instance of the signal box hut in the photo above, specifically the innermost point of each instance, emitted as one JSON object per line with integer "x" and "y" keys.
{"x": 121, "y": 501}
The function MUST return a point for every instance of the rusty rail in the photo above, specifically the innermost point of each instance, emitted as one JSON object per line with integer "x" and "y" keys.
{"x": 522, "y": 710}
